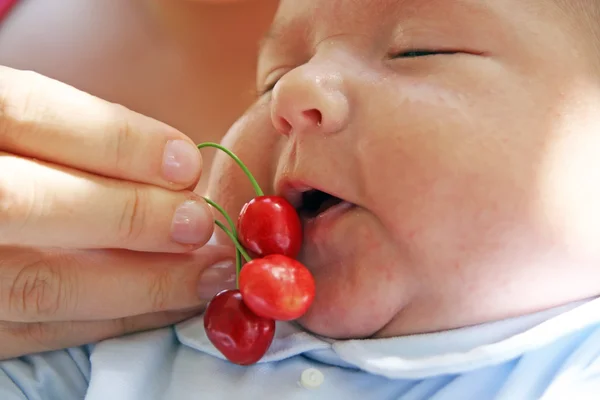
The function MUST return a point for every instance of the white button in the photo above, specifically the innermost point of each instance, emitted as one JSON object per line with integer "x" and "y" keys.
{"x": 311, "y": 378}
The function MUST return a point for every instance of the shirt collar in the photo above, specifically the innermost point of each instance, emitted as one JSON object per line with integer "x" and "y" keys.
{"x": 288, "y": 342}
{"x": 423, "y": 355}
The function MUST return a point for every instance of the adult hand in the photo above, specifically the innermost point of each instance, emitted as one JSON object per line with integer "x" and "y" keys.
{"x": 100, "y": 232}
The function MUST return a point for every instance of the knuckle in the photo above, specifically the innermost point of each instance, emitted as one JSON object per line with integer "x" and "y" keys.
{"x": 33, "y": 337}
{"x": 37, "y": 291}
{"x": 20, "y": 202}
{"x": 7, "y": 202}
{"x": 123, "y": 325}
{"x": 42, "y": 336}
{"x": 133, "y": 216}
{"x": 123, "y": 144}
{"x": 159, "y": 290}
{"x": 18, "y": 106}
{"x": 37, "y": 333}
{"x": 11, "y": 334}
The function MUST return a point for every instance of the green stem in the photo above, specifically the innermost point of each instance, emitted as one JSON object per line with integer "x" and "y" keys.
{"x": 235, "y": 241}
{"x": 238, "y": 255}
{"x": 238, "y": 267}
{"x": 235, "y": 158}
{"x": 223, "y": 213}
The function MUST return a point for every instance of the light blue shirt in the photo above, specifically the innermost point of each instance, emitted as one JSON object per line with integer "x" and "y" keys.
{"x": 551, "y": 355}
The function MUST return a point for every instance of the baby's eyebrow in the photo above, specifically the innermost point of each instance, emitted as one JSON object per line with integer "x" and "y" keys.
{"x": 273, "y": 35}
{"x": 265, "y": 41}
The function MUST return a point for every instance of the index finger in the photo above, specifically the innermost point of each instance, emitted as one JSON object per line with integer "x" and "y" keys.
{"x": 49, "y": 120}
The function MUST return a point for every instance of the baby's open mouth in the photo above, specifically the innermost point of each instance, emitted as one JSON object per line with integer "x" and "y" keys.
{"x": 314, "y": 202}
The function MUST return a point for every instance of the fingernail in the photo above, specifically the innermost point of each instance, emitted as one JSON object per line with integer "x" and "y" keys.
{"x": 192, "y": 223}
{"x": 219, "y": 277}
{"x": 181, "y": 162}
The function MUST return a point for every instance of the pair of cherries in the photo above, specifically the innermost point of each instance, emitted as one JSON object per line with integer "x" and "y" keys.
{"x": 271, "y": 286}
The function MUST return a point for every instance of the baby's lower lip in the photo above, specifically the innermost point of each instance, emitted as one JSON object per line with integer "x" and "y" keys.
{"x": 316, "y": 227}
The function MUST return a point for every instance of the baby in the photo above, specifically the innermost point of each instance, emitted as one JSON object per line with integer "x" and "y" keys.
{"x": 444, "y": 158}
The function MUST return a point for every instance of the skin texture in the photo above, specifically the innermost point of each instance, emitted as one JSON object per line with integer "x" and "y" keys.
{"x": 474, "y": 175}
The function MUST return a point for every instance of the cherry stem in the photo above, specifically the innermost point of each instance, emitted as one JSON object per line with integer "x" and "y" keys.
{"x": 223, "y": 213}
{"x": 238, "y": 261}
{"x": 235, "y": 158}
{"x": 234, "y": 239}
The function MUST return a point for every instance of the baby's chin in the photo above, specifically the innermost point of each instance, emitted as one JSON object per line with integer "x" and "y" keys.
{"x": 345, "y": 318}
{"x": 361, "y": 284}
{"x": 350, "y": 306}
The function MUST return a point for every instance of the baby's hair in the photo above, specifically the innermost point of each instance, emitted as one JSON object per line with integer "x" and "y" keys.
{"x": 594, "y": 22}
{"x": 586, "y": 15}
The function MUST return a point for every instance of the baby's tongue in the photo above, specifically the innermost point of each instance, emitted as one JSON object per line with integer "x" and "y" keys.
{"x": 330, "y": 202}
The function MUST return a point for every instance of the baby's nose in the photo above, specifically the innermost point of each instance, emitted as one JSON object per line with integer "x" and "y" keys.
{"x": 309, "y": 100}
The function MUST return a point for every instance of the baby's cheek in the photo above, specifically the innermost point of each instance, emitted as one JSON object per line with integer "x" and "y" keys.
{"x": 253, "y": 140}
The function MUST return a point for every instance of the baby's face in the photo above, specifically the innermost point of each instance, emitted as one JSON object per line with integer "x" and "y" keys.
{"x": 463, "y": 139}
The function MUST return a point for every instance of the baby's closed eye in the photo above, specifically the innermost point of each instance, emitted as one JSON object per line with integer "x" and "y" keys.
{"x": 420, "y": 53}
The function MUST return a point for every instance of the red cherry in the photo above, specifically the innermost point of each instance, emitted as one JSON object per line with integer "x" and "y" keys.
{"x": 277, "y": 287}
{"x": 270, "y": 225}
{"x": 240, "y": 335}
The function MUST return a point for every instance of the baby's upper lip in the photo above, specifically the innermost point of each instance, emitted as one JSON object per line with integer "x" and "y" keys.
{"x": 292, "y": 188}
{"x": 296, "y": 175}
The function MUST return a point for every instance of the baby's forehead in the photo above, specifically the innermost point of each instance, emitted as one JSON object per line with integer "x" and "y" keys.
{"x": 375, "y": 12}
{"x": 321, "y": 19}
{"x": 306, "y": 18}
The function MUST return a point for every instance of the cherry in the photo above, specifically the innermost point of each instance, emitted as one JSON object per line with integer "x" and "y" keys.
{"x": 277, "y": 287}
{"x": 267, "y": 224}
{"x": 240, "y": 335}
{"x": 270, "y": 225}
{"x": 241, "y": 323}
